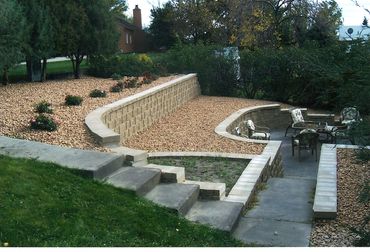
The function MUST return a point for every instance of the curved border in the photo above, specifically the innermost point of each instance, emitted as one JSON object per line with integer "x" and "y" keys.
{"x": 221, "y": 129}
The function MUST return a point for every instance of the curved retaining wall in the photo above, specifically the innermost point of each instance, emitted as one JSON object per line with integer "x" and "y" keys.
{"x": 119, "y": 120}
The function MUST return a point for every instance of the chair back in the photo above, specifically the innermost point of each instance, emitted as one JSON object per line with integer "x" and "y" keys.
{"x": 297, "y": 116}
{"x": 308, "y": 138}
{"x": 350, "y": 114}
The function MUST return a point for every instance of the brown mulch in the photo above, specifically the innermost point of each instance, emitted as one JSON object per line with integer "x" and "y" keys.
{"x": 352, "y": 175}
{"x": 191, "y": 128}
{"x": 17, "y": 108}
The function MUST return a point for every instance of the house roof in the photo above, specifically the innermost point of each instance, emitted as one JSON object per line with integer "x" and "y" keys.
{"x": 126, "y": 24}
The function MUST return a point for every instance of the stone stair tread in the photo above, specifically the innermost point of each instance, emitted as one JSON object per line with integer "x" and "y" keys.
{"x": 138, "y": 179}
{"x": 170, "y": 174}
{"x": 222, "y": 215}
{"x": 209, "y": 190}
{"x": 179, "y": 197}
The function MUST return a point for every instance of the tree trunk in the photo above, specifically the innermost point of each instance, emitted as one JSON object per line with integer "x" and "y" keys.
{"x": 33, "y": 69}
{"x": 43, "y": 70}
{"x": 5, "y": 76}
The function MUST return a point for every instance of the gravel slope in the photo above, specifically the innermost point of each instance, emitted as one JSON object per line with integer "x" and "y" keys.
{"x": 17, "y": 100}
{"x": 351, "y": 213}
{"x": 191, "y": 128}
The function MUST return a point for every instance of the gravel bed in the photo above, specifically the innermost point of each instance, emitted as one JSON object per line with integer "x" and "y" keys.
{"x": 351, "y": 212}
{"x": 17, "y": 101}
{"x": 191, "y": 128}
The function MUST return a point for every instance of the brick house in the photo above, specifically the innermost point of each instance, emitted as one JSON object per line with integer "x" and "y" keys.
{"x": 132, "y": 37}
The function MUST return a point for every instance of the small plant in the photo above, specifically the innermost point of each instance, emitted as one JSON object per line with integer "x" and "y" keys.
{"x": 132, "y": 82}
{"x": 44, "y": 122}
{"x": 115, "y": 89}
{"x": 120, "y": 84}
{"x": 72, "y": 100}
{"x": 43, "y": 107}
{"x": 149, "y": 77}
{"x": 98, "y": 93}
{"x": 116, "y": 76}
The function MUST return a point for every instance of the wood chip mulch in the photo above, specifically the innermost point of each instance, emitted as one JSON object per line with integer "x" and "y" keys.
{"x": 191, "y": 128}
{"x": 17, "y": 108}
{"x": 352, "y": 175}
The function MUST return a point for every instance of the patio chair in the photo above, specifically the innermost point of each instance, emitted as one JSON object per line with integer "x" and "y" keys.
{"x": 257, "y": 132}
{"x": 349, "y": 116}
{"x": 298, "y": 122}
{"x": 307, "y": 139}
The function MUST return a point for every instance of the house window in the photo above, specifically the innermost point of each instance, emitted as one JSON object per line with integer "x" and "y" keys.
{"x": 130, "y": 39}
{"x": 127, "y": 38}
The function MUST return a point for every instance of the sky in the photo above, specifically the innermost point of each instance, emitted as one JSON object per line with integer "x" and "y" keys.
{"x": 351, "y": 14}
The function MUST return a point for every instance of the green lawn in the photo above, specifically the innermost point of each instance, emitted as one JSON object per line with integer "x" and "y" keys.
{"x": 43, "y": 204}
{"x": 59, "y": 67}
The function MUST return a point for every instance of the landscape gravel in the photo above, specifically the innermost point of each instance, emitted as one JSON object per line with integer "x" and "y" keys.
{"x": 352, "y": 175}
{"x": 191, "y": 128}
{"x": 17, "y": 109}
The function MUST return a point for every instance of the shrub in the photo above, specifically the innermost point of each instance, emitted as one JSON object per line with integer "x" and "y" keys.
{"x": 44, "y": 122}
{"x": 120, "y": 64}
{"x": 72, "y": 100}
{"x": 116, "y": 88}
{"x": 97, "y": 93}
{"x": 132, "y": 82}
{"x": 149, "y": 77}
{"x": 116, "y": 76}
{"x": 43, "y": 107}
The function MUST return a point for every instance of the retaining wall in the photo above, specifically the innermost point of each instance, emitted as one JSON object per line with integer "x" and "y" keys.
{"x": 120, "y": 120}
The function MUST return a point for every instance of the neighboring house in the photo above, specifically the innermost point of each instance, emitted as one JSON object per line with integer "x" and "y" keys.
{"x": 132, "y": 37}
{"x": 353, "y": 32}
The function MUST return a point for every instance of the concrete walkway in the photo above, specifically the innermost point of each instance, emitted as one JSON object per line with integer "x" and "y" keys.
{"x": 283, "y": 214}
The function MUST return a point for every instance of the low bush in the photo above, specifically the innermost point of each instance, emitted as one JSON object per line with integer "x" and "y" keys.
{"x": 132, "y": 82}
{"x": 120, "y": 65}
{"x": 43, "y": 107}
{"x": 72, "y": 100}
{"x": 117, "y": 87}
{"x": 116, "y": 76}
{"x": 97, "y": 93}
{"x": 44, "y": 122}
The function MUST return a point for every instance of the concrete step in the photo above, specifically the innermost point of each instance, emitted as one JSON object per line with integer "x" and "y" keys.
{"x": 218, "y": 214}
{"x": 179, "y": 197}
{"x": 209, "y": 190}
{"x": 131, "y": 155}
{"x": 170, "y": 174}
{"x": 141, "y": 163}
{"x": 140, "y": 180}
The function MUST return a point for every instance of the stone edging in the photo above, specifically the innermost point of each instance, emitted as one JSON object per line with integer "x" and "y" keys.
{"x": 325, "y": 202}
{"x": 223, "y": 129}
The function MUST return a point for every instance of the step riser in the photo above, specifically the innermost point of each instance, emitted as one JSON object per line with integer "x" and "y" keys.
{"x": 109, "y": 168}
{"x": 149, "y": 185}
{"x": 189, "y": 203}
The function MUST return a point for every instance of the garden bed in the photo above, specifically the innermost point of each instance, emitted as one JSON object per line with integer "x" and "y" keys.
{"x": 353, "y": 208}
{"x": 18, "y": 100}
{"x": 207, "y": 169}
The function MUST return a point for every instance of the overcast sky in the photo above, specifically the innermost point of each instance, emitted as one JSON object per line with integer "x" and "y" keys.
{"x": 352, "y": 15}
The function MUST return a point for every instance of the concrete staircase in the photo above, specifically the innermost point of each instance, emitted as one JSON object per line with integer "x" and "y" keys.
{"x": 166, "y": 186}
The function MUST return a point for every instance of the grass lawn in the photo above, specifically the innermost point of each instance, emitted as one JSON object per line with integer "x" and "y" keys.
{"x": 58, "y": 67}
{"x": 212, "y": 169}
{"x": 43, "y": 204}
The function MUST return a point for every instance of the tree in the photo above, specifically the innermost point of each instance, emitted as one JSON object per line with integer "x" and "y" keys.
{"x": 118, "y": 7}
{"x": 40, "y": 43}
{"x": 12, "y": 26}
{"x": 84, "y": 28}
{"x": 326, "y": 22}
{"x": 161, "y": 28}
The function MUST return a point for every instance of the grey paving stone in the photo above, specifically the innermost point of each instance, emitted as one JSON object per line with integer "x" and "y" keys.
{"x": 94, "y": 164}
{"x": 179, "y": 197}
{"x": 273, "y": 233}
{"x": 140, "y": 180}
{"x": 218, "y": 214}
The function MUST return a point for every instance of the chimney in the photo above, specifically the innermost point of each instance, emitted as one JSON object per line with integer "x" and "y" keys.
{"x": 137, "y": 17}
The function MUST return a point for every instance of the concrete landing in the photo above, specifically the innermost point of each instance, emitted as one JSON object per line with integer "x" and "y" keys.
{"x": 140, "y": 180}
{"x": 218, "y": 214}
{"x": 273, "y": 233}
{"x": 179, "y": 197}
{"x": 94, "y": 164}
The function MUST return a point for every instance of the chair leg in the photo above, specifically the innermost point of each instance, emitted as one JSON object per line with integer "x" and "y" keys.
{"x": 286, "y": 131}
